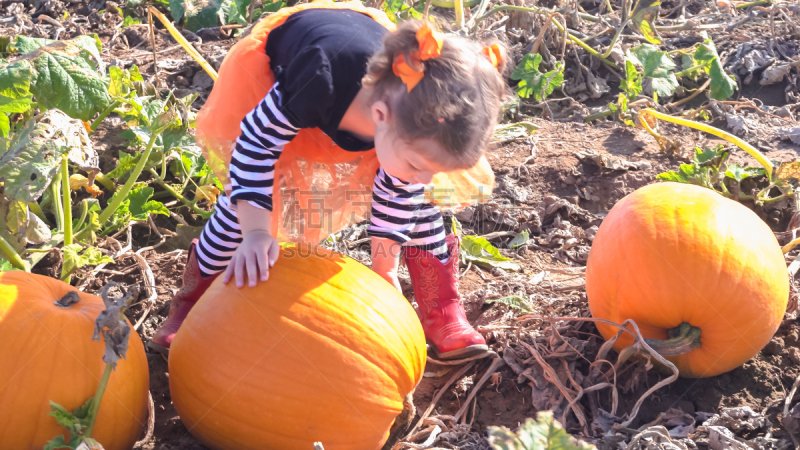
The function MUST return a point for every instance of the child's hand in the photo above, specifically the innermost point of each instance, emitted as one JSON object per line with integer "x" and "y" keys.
{"x": 255, "y": 255}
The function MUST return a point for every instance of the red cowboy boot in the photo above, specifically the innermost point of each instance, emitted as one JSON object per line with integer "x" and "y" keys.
{"x": 439, "y": 304}
{"x": 194, "y": 285}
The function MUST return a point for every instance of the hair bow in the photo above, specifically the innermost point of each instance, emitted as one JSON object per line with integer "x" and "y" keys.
{"x": 409, "y": 67}
{"x": 493, "y": 53}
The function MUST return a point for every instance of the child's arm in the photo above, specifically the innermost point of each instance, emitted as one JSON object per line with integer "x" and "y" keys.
{"x": 386, "y": 259}
{"x": 258, "y": 250}
{"x": 264, "y": 132}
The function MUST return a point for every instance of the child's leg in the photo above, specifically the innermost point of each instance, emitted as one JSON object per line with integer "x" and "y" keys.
{"x": 433, "y": 268}
{"x": 208, "y": 257}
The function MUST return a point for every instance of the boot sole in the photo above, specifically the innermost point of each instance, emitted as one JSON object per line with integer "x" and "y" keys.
{"x": 159, "y": 348}
{"x": 466, "y": 352}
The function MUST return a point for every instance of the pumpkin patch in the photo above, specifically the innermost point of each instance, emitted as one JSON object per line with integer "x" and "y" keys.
{"x": 617, "y": 270}
{"x": 688, "y": 264}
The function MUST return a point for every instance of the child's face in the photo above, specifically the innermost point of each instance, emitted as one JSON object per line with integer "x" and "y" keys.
{"x": 414, "y": 162}
{"x": 409, "y": 161}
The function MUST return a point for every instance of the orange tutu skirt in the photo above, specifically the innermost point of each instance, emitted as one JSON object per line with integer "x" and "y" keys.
{"x": 319, "y": 187}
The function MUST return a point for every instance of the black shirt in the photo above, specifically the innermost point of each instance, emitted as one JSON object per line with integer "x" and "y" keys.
{"x": 319, "y": 57}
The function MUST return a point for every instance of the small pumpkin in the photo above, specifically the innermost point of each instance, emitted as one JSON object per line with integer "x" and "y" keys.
{"x": 688, "y": 264}
{"x": 47, "y": 353}
{"x": 324, "y": 351}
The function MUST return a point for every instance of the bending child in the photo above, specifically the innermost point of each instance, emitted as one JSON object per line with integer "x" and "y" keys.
{"x": 343, "y": 85}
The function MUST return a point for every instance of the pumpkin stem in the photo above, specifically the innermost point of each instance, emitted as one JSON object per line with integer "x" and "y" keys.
{"x": 682, "y": 339}
{"x": 69, "y": 299}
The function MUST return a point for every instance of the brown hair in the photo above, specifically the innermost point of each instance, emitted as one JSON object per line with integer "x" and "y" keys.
{"x": 460, "y": 86}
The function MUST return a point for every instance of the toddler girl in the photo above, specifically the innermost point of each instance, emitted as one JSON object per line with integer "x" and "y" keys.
{"x": 321, "y": 101}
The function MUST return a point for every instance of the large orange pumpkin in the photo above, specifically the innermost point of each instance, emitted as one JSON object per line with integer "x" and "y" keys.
{"x": 671, "y": 254}
{"x": 324, "y": 351}
{"x": 47, "y": 353}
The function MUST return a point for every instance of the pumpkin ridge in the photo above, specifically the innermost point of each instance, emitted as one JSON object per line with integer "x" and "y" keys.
{"x": 367, "y": 356}
{"x": 675, "y": 271}
{"x": 398, "y": 354}
{"x": 384, "y": 315}
{"x": 395, "y": 411}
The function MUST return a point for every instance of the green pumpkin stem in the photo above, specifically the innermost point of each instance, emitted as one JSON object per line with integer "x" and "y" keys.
{"x": 682, "y": 339}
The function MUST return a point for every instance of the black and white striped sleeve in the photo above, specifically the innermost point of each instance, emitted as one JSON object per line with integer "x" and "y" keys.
{"x": 399, "y": 213}
{"x": 265, "y": 130}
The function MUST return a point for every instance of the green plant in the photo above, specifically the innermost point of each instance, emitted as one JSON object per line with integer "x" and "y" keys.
{"x": 41, "y": 154}
{"x": 478, "y": 250}
{"x": 197, "y": 14}
{"x": 542, "y": 433}
{"x": 709, "y": 167}
{"x": 534, "y": 83}
{"x": 647, "y": 62}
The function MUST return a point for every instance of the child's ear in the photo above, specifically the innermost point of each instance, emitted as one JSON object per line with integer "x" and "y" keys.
{"x": 380, "y": 112}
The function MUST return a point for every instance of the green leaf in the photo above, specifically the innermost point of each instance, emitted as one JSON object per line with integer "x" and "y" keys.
{"x": 739, "y": 173}
{"x": 685, "y": 174}
{"x": 74, "y": 260}
{"x": 10, "y": 105}
{"x": 64, "y": 418}
{"x": 34, "y": 154}
{"x": 25, "y": 44}
{"x": 130, "y": 20}
{"x": 534, "y": 83}
{"x": 242, "y": 7}
{"x": 657, "y": 66}
{"x": 514, "y": 301}
{"x": 17, "y": 217}
{"x": 457, "y": 228}
{"x": 59, "y": 442}
{"x": 82, "y": 412}
{"x": 177, "y": 9}
{"x": 141, "y": 205}
{"x": 67, "y": 76}
{"x": 392, "y": 7}
{"x": 179, "y": 139}
{"x": 271, "y": 7}
{"x": 513, "y": 131}
{"x": 198, "y": 13}
{"x": 643, "y": 19}
{"x": 703, "y": 155}
{"x": 5, "y": 266}
{"x": 543, "y": 433}
{"x": 632, "y": 84}
{"x": 14, "y": 92}
{"x": 479, "y": 250}
{"x": 520, "y": 239}
{"x": 117, "y": 87}
{"x": 125, "y": 164}
{"x": 15, "y": 79}
{"x": 722, "y": 86}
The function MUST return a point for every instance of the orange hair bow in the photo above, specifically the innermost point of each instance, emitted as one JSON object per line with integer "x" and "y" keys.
{"x": 494, "y": 54}
{"x": 430, "y": 46}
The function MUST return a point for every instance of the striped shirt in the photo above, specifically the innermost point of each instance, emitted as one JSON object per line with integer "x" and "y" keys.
{"x": 398, "y": 212}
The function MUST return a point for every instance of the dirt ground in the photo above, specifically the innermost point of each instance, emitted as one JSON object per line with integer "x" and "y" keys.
{"x": 529, "y": 175}
{"x": 548, "y": 185}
